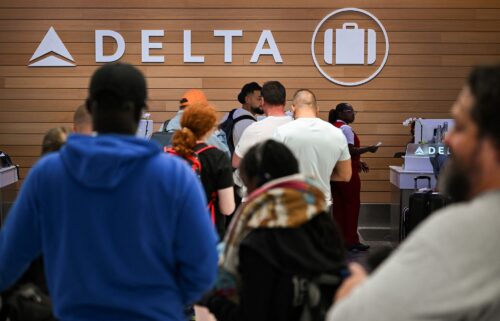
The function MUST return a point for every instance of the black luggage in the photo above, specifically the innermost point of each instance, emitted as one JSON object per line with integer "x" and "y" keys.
{"x": 422, "y": 203}
{"x": 164, "y": 137}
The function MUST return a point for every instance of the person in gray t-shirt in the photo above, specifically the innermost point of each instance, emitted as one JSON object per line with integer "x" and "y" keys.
{"x": 449, "y": 268}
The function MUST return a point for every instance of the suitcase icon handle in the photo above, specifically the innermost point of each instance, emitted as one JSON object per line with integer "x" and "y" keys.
{"x": 350, "y": 24}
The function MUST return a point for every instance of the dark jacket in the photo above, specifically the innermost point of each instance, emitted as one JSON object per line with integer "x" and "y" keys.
{"x": 269, "y": 261}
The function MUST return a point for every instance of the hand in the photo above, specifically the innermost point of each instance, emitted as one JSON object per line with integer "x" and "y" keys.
{"x": 372, "y": 149}
{"x": 363, "y": 167}
{"x": 358, "y": 277}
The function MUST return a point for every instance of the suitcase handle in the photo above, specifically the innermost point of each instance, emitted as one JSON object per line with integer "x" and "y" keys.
{"x": 350, "y": 24}
{"x": 402, "y": 224}
{"x": 416, "y": 179}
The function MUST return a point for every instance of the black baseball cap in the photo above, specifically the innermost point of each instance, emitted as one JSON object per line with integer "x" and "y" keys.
{"x": 247, "y": 89}
{"x": 124, "y": 81}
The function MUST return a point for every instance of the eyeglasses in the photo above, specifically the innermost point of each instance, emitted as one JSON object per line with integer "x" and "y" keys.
{"x": 350, "y": 111}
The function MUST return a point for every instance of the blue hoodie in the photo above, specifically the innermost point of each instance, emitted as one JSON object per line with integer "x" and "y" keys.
{"x": 123, "y": 229}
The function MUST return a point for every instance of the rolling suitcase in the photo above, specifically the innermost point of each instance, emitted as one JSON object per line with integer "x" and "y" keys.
{"x": 422, "y": 203}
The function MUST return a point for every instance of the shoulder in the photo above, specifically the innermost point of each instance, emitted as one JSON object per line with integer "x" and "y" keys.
{"x": 252, "y": 128}
{"x": 242, "y": 112}
{"x": 464, "y": 226}
{"x": 47, "y": 165}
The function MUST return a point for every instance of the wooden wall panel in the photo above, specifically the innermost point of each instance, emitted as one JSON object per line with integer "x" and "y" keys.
{"x": 433, "y": 44}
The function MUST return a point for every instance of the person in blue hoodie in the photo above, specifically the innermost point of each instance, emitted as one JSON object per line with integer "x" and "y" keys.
{"x": 123, "y": 228}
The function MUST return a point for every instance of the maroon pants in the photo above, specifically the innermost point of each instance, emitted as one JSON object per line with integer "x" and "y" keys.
{"x": 345, "y": 208}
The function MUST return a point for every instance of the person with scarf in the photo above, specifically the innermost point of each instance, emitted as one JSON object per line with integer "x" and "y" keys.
{"x": 280, "y": 244}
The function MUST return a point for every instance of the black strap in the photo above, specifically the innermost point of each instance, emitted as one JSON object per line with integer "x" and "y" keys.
{"x": 165, "y": 124}
{"x": 242, "y": 117}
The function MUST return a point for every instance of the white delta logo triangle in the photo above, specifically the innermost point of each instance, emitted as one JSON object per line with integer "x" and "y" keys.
{"x": 51, "y": 43}
{"x": 419, "y": 151}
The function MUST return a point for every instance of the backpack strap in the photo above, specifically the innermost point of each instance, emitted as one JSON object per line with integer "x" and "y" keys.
{"x": 242, "y": 117}
{"x": 193, "y": 159}
{"x": 211, "y": 206}
{"x": 201, "y": 150}
{"x": 165, "y": 124}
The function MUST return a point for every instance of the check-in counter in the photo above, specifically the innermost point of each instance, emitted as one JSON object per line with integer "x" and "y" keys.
{"x": 8, "y": 178}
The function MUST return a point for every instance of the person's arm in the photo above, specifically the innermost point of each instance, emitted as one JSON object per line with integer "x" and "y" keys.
{"x": 362, "y": 150}
{"x": 246, "y": 141}
{"x": 235, "y": 162}
{"x": 354, "y": 151}
{"x": 224, "y": 184}
{"x": 258, "y": 278}
{"x": 342, "y": 171}
{"x": 226, "y": 200}
{"x": 195, "y": 240}
{"x": 414, "y": 282}
{"x": 20, "y": 237}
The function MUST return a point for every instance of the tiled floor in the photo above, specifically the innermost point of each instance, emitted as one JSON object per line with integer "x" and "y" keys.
{"x": 380, "y": 247}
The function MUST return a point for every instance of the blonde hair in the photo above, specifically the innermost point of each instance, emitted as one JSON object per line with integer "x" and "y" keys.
{"x": 197, "y": 120}
{"x": 54, "y": 139}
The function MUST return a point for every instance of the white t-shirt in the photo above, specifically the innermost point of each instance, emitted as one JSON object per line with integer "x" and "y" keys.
{"x": 241, "y": 125}
{"x": 446, "y": 270}
{"x": 259, "y": 132}
{"x": 318, "y": 146}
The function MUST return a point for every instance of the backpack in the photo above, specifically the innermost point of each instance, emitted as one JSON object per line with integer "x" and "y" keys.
{"x": 194, "y": 161}
{"x": 315, "y": 295}
{"x": 29, "y": 303}
{"x": 228, "y": 126}
{"x": 164, "y": 137}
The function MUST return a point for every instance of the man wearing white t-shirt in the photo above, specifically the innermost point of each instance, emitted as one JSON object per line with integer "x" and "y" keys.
{"x": 321, "y": 148}
{"x": 273, "y": 104}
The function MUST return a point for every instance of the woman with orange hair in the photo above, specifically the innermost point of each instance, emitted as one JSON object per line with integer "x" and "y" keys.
{"x": 197, "y": 124}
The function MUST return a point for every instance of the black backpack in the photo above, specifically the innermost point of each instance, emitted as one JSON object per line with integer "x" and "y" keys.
{"x": 164, "y": 138}
{"x": 315, "y": 295}
{"x": 228, "y": 126}
{"x": 195, "y": 164}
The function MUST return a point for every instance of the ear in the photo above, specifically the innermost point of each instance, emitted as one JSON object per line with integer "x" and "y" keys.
{"x": 293, "y": 108}
{"x": 88, "y": 106}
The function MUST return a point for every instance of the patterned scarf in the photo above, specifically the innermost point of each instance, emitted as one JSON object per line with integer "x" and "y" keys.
{"x": 288, "y": 202}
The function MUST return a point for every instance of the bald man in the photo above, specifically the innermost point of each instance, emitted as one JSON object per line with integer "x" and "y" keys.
{"x": 82, "y": 122}
{"x": 321, "y": 148}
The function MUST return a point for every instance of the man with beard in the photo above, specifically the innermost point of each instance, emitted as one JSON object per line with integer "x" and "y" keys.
{"x": 250, "y": 99}
{"x": 447, "y": 269}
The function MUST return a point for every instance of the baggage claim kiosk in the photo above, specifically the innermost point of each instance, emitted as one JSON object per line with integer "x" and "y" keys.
{"x": 422, "y": 162}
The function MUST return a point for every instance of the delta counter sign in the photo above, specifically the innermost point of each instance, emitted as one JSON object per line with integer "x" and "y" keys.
{"x": 343, "y": 44}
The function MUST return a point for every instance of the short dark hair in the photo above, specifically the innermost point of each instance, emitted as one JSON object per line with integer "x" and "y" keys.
{"x": 117, "y": 84}
{"x": 484, "y": 84}
{"x": 333, "y": 115}
{"x": 248, "y": 89}
{"x": 117, "y": 95}
{"x": 274, "y": 93}
{"x": 267, "y": 161}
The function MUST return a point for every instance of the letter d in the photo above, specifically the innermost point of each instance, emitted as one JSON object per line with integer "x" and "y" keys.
{"x": 99, "y": 44}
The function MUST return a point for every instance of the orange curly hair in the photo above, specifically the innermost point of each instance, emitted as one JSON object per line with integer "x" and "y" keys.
{"x": 196, "y": 122}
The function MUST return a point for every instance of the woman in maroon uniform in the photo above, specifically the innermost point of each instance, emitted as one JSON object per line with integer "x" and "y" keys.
{"x": 346, "y": 196}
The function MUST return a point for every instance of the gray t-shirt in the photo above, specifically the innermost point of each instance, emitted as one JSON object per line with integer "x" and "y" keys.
{"x": 448, "y": 270}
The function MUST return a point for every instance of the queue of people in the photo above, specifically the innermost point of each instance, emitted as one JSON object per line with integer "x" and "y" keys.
{"x": 130, "y": 231}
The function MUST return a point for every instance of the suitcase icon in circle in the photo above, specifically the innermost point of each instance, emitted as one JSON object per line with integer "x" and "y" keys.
{"x": 350, "y": 45}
